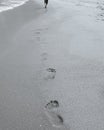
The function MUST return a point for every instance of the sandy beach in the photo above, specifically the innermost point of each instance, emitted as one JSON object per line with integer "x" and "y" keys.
{"x": 52, "y": 54}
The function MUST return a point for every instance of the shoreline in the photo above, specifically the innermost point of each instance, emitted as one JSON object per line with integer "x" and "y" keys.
{"x": 11, "y": 7}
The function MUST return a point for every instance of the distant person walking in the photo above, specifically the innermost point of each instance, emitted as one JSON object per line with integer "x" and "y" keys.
{"x": 46, "y": 3}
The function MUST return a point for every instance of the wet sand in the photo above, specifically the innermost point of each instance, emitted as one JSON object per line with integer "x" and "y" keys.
{"x": 42, "y": 58}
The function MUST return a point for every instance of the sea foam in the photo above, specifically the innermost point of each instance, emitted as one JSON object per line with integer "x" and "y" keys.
{"x": 10, "y": 4}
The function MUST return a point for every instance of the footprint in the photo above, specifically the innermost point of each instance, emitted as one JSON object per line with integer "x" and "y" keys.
{"x": 51, "y": 112}
{"x": 55, "y": 119}
{"x": 52, "y": 104}
{"x": 38, "y": 38}
{"x": 44, "y": 56}
{"x": 37, "y": 32}
{"x": 42, "y": 29}
{"x": 51, "y": 70}
{"x": 50, "y": 73}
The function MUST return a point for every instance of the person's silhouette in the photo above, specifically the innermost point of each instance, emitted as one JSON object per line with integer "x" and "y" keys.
{"x": 46, "y": 3}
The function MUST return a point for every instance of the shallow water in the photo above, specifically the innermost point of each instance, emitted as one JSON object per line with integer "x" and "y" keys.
{"x": 10, "y": 4}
